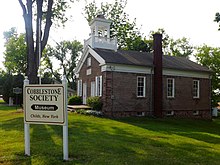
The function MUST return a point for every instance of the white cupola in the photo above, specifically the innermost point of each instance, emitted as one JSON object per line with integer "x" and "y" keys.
{"x": 100, "y": 34}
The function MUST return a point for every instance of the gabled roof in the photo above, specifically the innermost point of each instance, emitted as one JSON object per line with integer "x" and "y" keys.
{"x": 146, "y": 59}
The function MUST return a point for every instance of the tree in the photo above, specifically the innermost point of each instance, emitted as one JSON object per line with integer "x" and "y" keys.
{"x": 10, "y": 33}
{"x": 8, "y": 82}
{"x": 180, "y": 47}
{"x": 15, "y": 52}
{"x": 126, "y": 31}
{"x": 165, "y": 39}
{"x": 2, "y": 76}
{"x": 48, "y": 68}
{"x": 44, "y": 12}
{"x": 129, "y": 36}
{"x": 210, "y": 57}
{"x": 66, "y": 53}
{"x": 217, "y": 19}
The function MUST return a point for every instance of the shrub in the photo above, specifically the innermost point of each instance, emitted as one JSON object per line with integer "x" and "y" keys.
{"x": 94, "y": 113}
{"x": 89, "y": 112}
{"x": 75, "y": 100}
{"x": 95, "y": 103}
{"x": 81, "y": 111}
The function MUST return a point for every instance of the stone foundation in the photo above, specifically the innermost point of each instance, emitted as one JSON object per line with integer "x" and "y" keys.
{"x": 198, "y": 114}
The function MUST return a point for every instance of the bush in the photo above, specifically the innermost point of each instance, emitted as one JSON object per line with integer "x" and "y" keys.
{"x": 94, "y": 113}
{"x": 8, "y": 82}
{"x": 95, "y": 103}
{"x": 75, "y": 100}
{"x": 89, "y": 112}
{"x": 81, "y": 111}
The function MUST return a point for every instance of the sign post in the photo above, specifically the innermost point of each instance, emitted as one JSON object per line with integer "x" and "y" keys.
{"x": 65, "y": 127}
{"x": 26, "y": 127}
{"x": 46, "y": 104}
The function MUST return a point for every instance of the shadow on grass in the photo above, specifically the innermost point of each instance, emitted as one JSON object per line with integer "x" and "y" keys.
{"x": 44, "y": 147}
{"x": 6, "y": 107}
{"x": 12, "y": 138}
{"x": 202, "y": 130}
{"x": 13, "y": 124}
{"x": 95, "y": 140}
{"x": 116, "y": 144}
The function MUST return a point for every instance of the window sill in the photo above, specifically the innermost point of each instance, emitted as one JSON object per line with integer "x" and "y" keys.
{"x": 170, "y": 97}
{"x": 196, "y": 98}
{"x": 139, "y": 97}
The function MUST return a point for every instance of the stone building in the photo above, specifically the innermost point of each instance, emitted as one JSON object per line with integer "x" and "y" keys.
{"x": 132, "y": 83}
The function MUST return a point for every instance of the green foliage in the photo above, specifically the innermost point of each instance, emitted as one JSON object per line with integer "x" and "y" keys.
{"x": 8, "y": 82}
{"x": 15, "y": 54}
{"x": 81, "y": 111}
{"x": 75, "y": 100}
{"x": 48, "y": 68}
{"x": 45, "y": 13}
{"x": 60, "y": 7}
{"x": 165, "y": 39}
{"x": 2, "y": 80}
{"x": 210, "y": 57}
{"x": 66, "y": 53}
{"x": 9, "y": 34}
{"x": 217, "y": 19}
{"x": 7, "y": 87}
{"x": 139, "y": 44}
{"x": 129, "y": 36}
{"x": 47, "y": 78}
{"x": 180, "y": 47}
{"x": 95, "y": 103}
{"x": 89, "y": 112}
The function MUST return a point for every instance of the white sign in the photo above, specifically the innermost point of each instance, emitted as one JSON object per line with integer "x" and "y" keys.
{"x": 45, "y": 104}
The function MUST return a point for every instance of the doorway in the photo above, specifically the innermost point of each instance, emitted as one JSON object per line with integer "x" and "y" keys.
{"x": 84, "y": 93}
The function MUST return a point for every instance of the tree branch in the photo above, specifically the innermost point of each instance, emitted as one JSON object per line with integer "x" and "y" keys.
{"x": 38, "y": 29}
{"x": 48, "y": 23}
{"x": 23, "y": 7}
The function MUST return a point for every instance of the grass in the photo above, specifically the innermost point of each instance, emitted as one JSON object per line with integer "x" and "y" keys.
{"x": 104, "y": 141}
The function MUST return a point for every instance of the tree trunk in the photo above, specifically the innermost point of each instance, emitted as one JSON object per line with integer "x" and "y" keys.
{"x": 32, "y": 50}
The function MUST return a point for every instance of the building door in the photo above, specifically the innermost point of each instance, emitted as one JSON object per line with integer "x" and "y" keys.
{"x": 84, "y": 93}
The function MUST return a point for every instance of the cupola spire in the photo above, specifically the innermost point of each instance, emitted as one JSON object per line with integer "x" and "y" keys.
{"x": 100, "y": 34}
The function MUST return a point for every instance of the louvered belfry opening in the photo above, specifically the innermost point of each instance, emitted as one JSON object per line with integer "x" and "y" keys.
{"x": 158, "y": 85}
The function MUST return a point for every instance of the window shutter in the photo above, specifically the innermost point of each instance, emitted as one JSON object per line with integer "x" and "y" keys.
{"x": 93, "y": 88}
{"x": 100, "y": 86}
{"x": 79, "y": 87}
{"x": 96, "y": 85}
{"x": 144, "y": 92}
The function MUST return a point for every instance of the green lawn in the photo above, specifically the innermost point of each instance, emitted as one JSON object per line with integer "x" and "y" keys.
{"x": 104, "y": 141}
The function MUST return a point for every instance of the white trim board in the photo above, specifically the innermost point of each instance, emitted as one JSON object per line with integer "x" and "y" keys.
{"x": 82, "y": 60}
{"x": 126, "y": 68}
{"x": 149, "y": 70}
{"x": 185, "y": 73}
